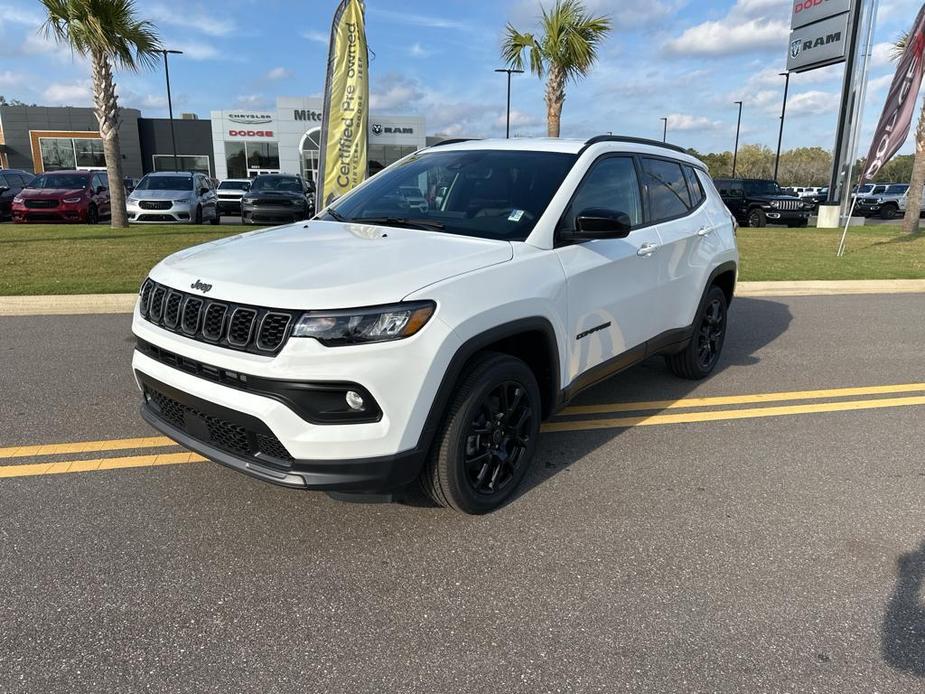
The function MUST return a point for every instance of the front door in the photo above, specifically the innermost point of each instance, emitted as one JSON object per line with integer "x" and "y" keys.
{"x": 611, "y": 282}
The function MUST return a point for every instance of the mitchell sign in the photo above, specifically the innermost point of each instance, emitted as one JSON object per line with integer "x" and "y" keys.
{"x": 819, "y": 44}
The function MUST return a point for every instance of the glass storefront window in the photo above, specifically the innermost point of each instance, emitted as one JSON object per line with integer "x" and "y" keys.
{"x": 262, "y": 155}
{"x": 90, "y": 153}
{"x": 235, "y": 160}
{"x": 198, "y": 163}
{"x": 57, "y": 153}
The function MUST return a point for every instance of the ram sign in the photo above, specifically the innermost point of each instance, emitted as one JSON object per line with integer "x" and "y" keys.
{"x": 809, "y": 11}
{"x": 819, "y": 44}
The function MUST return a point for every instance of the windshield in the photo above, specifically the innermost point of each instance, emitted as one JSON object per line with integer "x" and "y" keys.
{"x": 761, "y": 188}
{"x": 287, "y": 184}
{"x": 165, "y": 183}
{"x": 69, "y": 181}
{"x": 234, "y": 185}
{"x": 897, "y": 190}
{"x": 492, "y": 194}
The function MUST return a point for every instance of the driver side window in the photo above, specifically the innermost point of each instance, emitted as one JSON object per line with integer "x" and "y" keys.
{"x": 611, "y": 185}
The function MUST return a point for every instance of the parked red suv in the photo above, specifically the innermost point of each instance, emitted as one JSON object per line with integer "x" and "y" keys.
{"x": 63, "y": 196}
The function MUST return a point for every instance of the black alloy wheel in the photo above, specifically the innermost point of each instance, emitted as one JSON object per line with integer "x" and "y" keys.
{"x": 711, "y": 333}
{"x": 488, "y": 437}
{"x": 756, "y": 218}
{"x": 93, "y": 217}
{"x": 198, "y": 217}
{"x": 498, "y": 439}
{"x": 889, "y": 211}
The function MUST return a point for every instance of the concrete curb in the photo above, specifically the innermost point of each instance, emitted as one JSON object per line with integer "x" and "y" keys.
{"x": 74, "y": 304}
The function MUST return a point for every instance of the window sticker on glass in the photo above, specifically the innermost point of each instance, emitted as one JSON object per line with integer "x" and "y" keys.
{"x": 516, "y": 216}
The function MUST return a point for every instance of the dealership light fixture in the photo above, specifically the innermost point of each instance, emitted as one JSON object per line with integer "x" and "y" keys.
{"x": 173, "y": 137}
{"x": 783, "y": 113}
{"x": 509, "y": 71}
{"x": 735, "y": 154}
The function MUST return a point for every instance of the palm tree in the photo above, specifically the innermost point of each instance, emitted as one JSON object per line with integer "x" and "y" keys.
{"x": 566, "y": 51}
{"x": 108, "y": 33}
{"x": 914, "y": 203}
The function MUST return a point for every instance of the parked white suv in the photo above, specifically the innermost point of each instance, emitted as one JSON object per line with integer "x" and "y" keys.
{"x": 173, "y": 197}
{"x": 387, "y": 341}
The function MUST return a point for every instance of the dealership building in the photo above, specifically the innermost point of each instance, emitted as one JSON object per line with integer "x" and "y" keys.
{"x": 236, "y": 144}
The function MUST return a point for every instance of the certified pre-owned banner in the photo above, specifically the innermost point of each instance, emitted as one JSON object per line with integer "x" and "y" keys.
{"x": 345, "y": 123}
{"x": 900, "y": 102}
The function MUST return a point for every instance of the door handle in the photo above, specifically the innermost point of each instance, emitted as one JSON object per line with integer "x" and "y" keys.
{"x": 704, "y": 231}
{"x": 646, "y": 250}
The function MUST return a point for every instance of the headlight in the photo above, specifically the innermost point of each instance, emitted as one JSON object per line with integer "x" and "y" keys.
{"x": 72, "y": 201}
{"x": 181, "y": 201}
{"x": 17, "y": 199}
{"x": 775, "y": 203}
{"x": 808, "y": 205}
{"x": 365, "y": 325}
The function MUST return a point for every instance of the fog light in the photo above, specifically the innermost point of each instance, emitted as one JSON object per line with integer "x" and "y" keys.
{"x": 354, "y": 400}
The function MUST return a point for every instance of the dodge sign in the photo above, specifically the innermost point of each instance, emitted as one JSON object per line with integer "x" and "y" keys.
{"x": 809, "y": 11}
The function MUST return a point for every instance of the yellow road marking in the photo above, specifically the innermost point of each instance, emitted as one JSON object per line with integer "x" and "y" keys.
{"x": 751, "y": 413}
{"x": 684, "y": 403}
{"x": 85, "y": 447}
{"x": 70, "y": 466}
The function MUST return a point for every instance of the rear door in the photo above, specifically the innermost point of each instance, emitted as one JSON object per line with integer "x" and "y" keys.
{"x": 611, "y": 282}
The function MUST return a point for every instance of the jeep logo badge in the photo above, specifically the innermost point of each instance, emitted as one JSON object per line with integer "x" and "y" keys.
{"x": 201, "y": 286}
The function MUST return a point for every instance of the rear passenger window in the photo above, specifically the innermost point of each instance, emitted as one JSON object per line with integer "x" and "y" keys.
{"x": 667, "y": 189}
{"x": 610, "y": 185}
{"x": 694, "y": 186}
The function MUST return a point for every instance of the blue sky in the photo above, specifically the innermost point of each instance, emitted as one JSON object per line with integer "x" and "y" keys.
{"x": 688, "y": 59}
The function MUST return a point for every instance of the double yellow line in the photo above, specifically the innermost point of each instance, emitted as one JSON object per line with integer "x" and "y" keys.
{"x": 651, "y": 413}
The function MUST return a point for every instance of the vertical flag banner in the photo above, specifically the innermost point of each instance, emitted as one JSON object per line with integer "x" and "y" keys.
{"x": 901, "y": 102}
{"x": 345, "y": 122}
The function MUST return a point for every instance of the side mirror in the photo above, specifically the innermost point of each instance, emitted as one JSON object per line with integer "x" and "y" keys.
{"x": 4, "y": 189}
{"x": 597, "y": 223}
{"x": 203, "y": 191}
{"x": 101, "y": 189}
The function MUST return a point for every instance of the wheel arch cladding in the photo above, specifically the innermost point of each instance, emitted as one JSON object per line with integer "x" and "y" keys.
{"x": 724, "y": 277}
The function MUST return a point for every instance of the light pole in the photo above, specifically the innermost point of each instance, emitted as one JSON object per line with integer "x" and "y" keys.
{"x": 173, "y": 137}
{"x": 735, "y": 154}
{"x": 783, "y": 113}
{"x": 509, "y": 71}
{"x": 665, "y": 130}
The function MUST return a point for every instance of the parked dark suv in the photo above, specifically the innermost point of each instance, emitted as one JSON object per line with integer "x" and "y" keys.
{"x": 757, "y": 202}
{"x": 278, "y": 198}
{"x": 11, "y": 182}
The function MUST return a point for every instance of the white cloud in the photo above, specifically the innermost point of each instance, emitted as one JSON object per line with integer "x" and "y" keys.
{"x": 198, "y": 51}
{"x": 210, "y": 22}
{"x": 428, "y": 21}
{"x": 519, "y": 119}
{"x": 278, "y": 73}
{"x": 18, "y": 15}
{"x": 687, "y": 122}
{"x": 624, "y": 15}
{"x": 68, "y": 93}
{"x": 251, "y": 100}
{"x": 8, "y": 78}
{"x": 813, "y": 103}
{"x": 882, "y": 54}
{"x": 395, "y": 92}
{"x": 416, "y": 50}
{"x": 749, "y": 26}
{"x": 316, "y": 36}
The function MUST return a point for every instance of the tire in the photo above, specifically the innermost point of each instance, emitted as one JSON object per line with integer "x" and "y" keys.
{"x": 798, "y": 225}
{"x": 93, "y": 216}
{"x": 889, "y": 211}
{"x": 757, "y": 218}
{"x": 198, "y": 217}
{"x": 493, "y": 419}
{"x": 700, "y": 357}
{"x": 217, "y": 219}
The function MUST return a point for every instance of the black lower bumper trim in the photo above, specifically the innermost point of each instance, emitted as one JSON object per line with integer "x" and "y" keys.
{"x": 367, "y": 475}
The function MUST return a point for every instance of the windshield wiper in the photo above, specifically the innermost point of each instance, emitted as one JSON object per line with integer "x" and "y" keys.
{"x": 338, "y": 217}
{"x": 425, "y": 224}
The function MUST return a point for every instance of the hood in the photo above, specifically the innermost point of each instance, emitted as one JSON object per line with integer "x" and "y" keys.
{"x": 49, "y": 193}
{"x": 327, "y": 265}
{"x": 776, "y": 197}
{"x": 161, "y": 194}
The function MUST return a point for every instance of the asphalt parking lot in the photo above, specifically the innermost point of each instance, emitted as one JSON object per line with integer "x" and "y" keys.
{"x": 762, "y": 531}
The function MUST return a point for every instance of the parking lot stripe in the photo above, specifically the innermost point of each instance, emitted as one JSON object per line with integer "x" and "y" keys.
{"x": 685, "y": 403}
{"x": 720, "y": 415}
{"x": 70, "y": 466}
{"x": 85, "y": 447}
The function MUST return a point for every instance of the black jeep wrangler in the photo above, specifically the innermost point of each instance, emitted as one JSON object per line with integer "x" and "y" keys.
{"x": 756, "y": 203}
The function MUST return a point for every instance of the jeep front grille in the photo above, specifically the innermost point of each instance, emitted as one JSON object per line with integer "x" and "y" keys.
{"x": 790, "y": 205}
{"x": 246, "y": 328}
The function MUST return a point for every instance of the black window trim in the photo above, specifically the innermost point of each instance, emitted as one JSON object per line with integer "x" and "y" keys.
{"x": 645, "y": 187}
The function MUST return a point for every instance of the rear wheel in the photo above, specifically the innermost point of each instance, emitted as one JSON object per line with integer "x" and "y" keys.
{"x": 757, "y": 218}
{"x": 197, "y": 219}
{"x": 488, "y": 438}
{"x": 93, "y": 215}
{"x": 700, "y": 357}
{"x": 217, "y": 219}
{"x": 889, "y": 211}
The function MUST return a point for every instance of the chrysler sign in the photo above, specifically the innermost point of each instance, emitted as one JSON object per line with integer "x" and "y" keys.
{"x": 819, "y": 44}
{"x": 809, "y": 11}
{"x": 250, "y": 118}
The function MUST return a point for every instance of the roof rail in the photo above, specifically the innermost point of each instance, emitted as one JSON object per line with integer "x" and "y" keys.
{"x": 454, "y": 141}
{"x": 634, "y": 140}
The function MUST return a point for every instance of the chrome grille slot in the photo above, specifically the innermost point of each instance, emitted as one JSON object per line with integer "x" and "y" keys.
{"x": 191, "y": 313}
{"x": 214, "y": 322}
{"x": 272, "y": 332}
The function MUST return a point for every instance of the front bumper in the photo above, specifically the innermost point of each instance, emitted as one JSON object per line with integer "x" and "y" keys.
{"x": 229, "y": 207}
{"x": 371, "y": 475}
{"x": 280, "y": 214}
{"x": 62, "y": 213}
{"x": 786, "y": 216}
{"x": 177, "y": 213}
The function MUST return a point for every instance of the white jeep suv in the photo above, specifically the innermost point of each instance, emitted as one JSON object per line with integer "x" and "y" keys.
{"x": 385, "y": 342}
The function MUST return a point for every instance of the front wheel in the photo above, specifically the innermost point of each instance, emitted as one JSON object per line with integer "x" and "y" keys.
{"x": 217, "y": 219}
{"x": 488, "y": 438}
{"x": 93, "y": 216}
{"x": 197, "y": 218}
{"x": 756, "y": 218}
{"x": 701, "y": 355}
{"x": 889, "y": 212}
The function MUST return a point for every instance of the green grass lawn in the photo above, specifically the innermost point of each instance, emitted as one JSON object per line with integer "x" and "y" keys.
{"x": 64, "y": 259}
